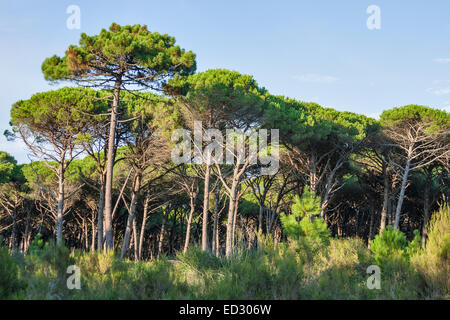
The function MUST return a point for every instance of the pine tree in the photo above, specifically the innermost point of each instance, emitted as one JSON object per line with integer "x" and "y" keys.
{"x": 304, "y": 220}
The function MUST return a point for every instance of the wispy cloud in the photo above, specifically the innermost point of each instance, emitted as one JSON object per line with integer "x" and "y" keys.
{"x": 439, "y": 91}
{"x": 315, "y": 78}
{"x": 442, "y": 60}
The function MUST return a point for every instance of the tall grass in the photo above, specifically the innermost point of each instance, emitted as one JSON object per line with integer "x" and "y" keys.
{"x": 302, "y": 268}
{"x": 434, "y": 260}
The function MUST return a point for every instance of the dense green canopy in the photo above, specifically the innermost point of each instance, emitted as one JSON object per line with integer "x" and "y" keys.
{"x": 133, "y": 53}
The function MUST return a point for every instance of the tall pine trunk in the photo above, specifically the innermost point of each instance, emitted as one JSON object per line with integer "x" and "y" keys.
{"x": 27, "y": 231}
{"x": 93, "y": 234}
{"x": 189, "y": 222}
{"x": 216, "y": 211}
{"x": 230, "y": 218}
{"x": 402, "y": 194}
{"x": 12, "y": 243}
{"x": 134, "y": 199}
{"x": 426, "y": 205}
{"x": 110, "y": 167}
{"x": 135, "y": 238}
{"x": 206, "y": 206}
{"x": 144, "y": 221}
{"x": 161, "y": 235}
{"x": 100, "y": 222}
{"x": 60, "y": 206}
{"x": 371, "y": 223}
{"x": 384, "y": 211}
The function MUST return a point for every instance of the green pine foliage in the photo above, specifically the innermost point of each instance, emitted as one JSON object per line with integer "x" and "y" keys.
{"x": 388, "y": 244}
{"x": 303, "y": 221}
{"x": 391, "y": 244}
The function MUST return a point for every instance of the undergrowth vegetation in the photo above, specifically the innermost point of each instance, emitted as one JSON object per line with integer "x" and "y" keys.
{"x": 302, "y": 268}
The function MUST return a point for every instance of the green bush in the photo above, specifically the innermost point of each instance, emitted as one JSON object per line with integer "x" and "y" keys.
{"x": 434, "y": 260}
{"x": 9, "y": 278}
{"x": 388, "y": 244}
{"x": 196, "y": 258}
{"x": 271, "y": 273}
{"x": 392, "y": 244}
{"x": 415, "y": 245}
{"x": 36, "y": 245}
{"x": 305, "y": 268}
{"x": 337, "y": 271}
{"x": 155, "y": 280}
{"x": 303, "y": 222}
{"x": 45, "y": 270}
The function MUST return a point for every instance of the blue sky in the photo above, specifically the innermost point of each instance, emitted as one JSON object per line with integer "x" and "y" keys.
{"x": 319, "y": 51}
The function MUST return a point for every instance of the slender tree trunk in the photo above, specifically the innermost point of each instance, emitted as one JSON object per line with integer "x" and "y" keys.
{"x": 384, "y": 211}
{"x": 104, "y": 237}
{"x": 188, "y": 227}
{"x": 134, "y": 199}
{"x": 60, "y": 206}
{"x": 218, "y": 234}
{"x": 313, "y": 173}
{"x": 100, "y": 221}
{"x": 236, "y": 206}
{"x": 402, "y": 194}
{"x": 12, "y": 243}
{"x": 426, "y": 205}
{"x": 260, "y": 217}
{"x": 161, "y": 235}
{"x": 110, "y": 167}
{"x": 371, "y": 223}
{"x": 216, "y": 211}
{"x": 172, "y": 234}
{"x": 93, "y": 233}
{"x": 86, "y": 234}
{"x": 231, "y": 207}
{"x": 275, "y": 218}
{"x": 144, "y": 222}
{"x": 28, "y": 241}
{"x": 135, "y": 239}
{"x": 339, "y": 230}
{"x": 206, "y": 206}
{"x": 390, "y": 212}
{"x": 328, "y": 188}
{"x": 27, "y": 231}
{"x": 131, "y": 243}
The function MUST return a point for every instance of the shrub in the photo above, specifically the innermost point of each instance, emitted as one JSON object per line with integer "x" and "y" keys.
{"x": 108, "y": 262}
{"x": 434, "y": 260}
{"x": 338, "y": 271}
{"x": 201, "y": 260}
{"x": 272, "y": 273}
{"x": 388, "y": 244}
{"x": 415, "y": 245}
{"x": 152, "y": 280}
{"x": 9, "y": 280}
{"x": 303, "y": 222}
{"x": 392, "y": 252}
{"x": 36, "y": 245}
{"x": 45, "y": 270}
